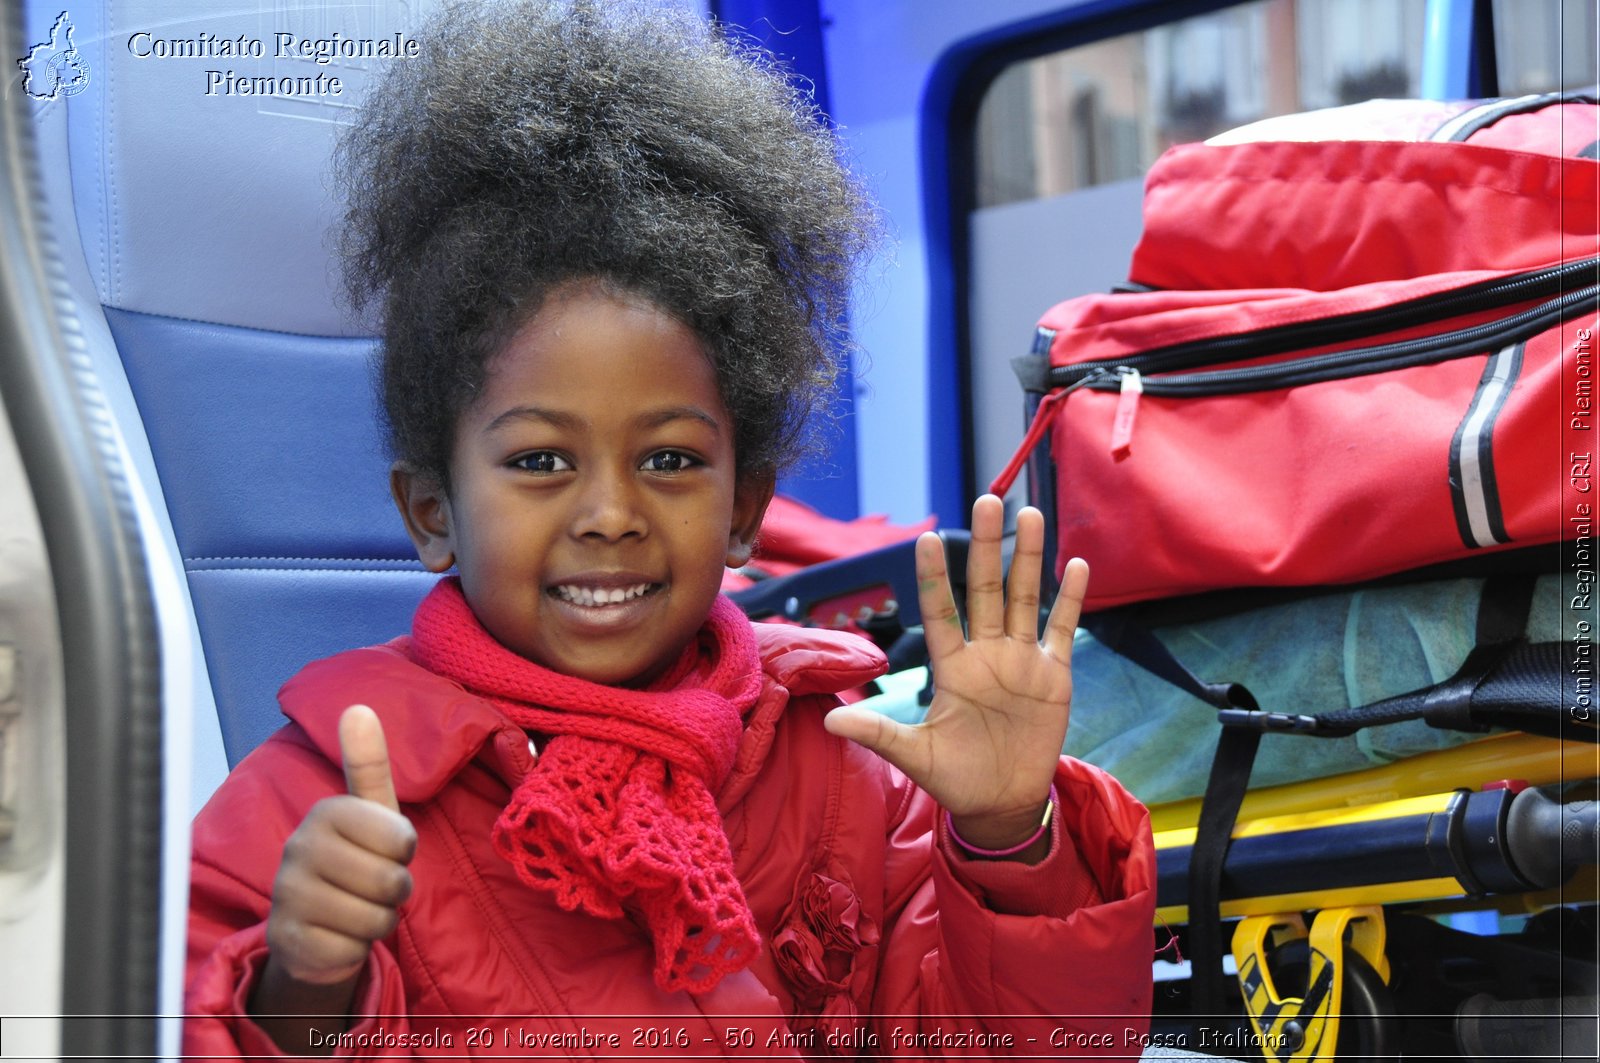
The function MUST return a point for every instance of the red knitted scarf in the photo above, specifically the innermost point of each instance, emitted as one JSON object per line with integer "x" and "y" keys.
{"x": 618, "y": 808}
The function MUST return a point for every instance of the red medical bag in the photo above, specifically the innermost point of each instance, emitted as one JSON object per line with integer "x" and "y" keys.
{"x": 1335, "y": 359}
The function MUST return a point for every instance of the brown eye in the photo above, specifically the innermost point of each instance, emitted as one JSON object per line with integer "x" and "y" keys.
{"x": 669, "y": 461}
{"x": 542, "y": 461}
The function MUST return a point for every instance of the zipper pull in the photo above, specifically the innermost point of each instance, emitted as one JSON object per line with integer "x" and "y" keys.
{"x": 1041, "y": 423}
{"x": 1127, "y": 408}
{"x": 1036, "y": 430}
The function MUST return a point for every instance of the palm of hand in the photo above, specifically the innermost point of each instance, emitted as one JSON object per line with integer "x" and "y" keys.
{"x": 997, "y": 703}
{"x": 991, "y": 740}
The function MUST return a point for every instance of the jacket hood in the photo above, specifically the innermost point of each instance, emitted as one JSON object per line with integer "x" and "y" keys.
{"x": 798, "y": 662}
{"x": 434, "y": 727}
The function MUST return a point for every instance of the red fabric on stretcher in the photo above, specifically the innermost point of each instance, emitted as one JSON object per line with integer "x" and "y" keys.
{"x": 794, "y": 536}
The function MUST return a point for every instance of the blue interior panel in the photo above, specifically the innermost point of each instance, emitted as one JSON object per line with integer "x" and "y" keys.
{"x": 267, "y": 442}
{"x": 288, "y": 616}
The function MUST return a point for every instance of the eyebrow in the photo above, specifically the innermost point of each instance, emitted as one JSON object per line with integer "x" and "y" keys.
{"x": 666, "y": 415}
{"x": 554, "y": 418}
{"x": 570, "y": 422}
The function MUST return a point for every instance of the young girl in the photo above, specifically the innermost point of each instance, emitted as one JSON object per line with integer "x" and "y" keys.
{"x": 592, "y": 810}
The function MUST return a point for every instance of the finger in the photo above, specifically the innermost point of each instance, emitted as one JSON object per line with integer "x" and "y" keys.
{"x": 1068, "y": 608}
{"x": 366, "y": 757}
{"x": 318, "y": 904}
{"x": 985, "y": 571}
{"x": 1022, "y": 585}
{"x": 941, "y": 624}
{"x": 901, "y": 745}
{"x": 315, "y": 954}
{"x": 336, "y": 824}
{"x": 371, "y": 872}
{"x": 347, "y": 822}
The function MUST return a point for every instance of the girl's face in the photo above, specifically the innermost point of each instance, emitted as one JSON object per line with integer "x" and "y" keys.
{"x": 594, "y": 501}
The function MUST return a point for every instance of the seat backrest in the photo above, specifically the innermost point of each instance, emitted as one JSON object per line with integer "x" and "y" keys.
{"x": 203, "y": 211}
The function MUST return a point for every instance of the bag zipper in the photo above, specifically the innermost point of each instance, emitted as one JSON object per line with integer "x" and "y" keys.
{"x": 1474, "y": 119}
{"x": 1132, "y": 377}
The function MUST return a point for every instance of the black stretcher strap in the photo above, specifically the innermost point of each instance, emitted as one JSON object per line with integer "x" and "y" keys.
{"x": 1126, "y": 636}
{"x": 1503, "y": 679}
{"x": 1490, "y": 681}
{"x": 1219, "y": 808}
{"x": 1525, "y": 687}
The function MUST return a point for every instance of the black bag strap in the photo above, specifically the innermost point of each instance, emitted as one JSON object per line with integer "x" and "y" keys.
{"x": 1527, "y": 687}
{"x": 1502, "y": 625}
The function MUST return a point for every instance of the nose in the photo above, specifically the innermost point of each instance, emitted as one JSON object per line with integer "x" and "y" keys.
{"x": 608, "y": 509}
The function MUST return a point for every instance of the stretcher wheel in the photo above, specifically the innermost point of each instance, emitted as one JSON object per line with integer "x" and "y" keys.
{"x": 1368, "y": 1029}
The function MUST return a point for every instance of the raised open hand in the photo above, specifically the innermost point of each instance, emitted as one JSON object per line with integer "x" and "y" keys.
{"x": 988, "y": 748}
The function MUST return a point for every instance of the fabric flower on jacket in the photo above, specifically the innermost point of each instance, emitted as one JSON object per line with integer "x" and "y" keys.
{"x": 823, "y": 934}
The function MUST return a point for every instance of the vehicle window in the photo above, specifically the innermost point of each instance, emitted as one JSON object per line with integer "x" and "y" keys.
{"x": 1544, "y": 45}
{"x": 1063, "y": 143}
{"x": 1103, "y": 112}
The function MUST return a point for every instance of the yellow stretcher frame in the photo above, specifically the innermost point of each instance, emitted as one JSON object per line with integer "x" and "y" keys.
{"x": 1418, "y": 784}
{"x": 1351, "y": 919}
{"x": 1535, "y": 760}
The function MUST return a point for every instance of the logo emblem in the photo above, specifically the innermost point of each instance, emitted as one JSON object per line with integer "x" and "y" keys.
{"x": 56, "y": 67}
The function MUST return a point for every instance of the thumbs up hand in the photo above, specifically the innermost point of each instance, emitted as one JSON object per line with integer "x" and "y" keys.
{"x": 343, "y": 875}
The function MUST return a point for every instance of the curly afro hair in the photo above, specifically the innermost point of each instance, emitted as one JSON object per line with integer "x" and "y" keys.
{"x": 535, "y": 144}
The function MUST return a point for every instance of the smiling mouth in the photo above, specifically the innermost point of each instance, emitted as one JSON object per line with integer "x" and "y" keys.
{"x": 598, "y": 597}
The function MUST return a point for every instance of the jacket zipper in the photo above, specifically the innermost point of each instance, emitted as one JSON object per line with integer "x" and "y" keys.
{"x": 1109, "y": 374}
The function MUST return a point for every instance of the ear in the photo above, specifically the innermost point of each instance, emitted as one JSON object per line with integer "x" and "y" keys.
{"x": 751, "y": 495}
{"x": 425, "y": 509}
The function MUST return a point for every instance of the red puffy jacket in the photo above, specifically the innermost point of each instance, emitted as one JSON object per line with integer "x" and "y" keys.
{"x": 878, "y": 938}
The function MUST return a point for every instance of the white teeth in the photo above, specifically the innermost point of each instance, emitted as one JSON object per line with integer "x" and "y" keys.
{"x": 596, "y": 596}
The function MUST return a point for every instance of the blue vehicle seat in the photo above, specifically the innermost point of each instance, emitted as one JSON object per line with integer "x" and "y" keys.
{"x": 237, "y": 383}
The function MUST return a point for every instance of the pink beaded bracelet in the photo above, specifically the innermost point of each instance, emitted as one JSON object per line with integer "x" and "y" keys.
{"x": 1044, "y": 825}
